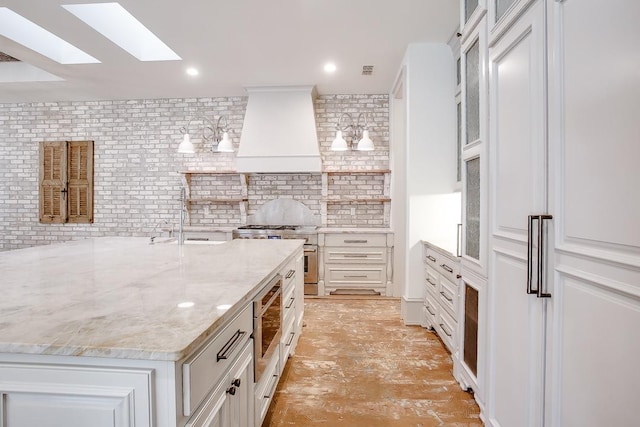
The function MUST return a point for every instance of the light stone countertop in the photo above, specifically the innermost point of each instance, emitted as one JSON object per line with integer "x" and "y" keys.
{"x": 353, "y": 230}
{"x": 118, "y": 297}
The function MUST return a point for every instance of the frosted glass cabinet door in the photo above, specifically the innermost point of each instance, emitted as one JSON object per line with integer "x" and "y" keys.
{"x": 501, "y": 7}
{"x": 472, "y": 93}
{"x": 469, "y": 7}
{"x": 472, "y": 208}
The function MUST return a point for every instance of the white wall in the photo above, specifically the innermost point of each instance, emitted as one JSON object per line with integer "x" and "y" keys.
{"x": 429, "y": 157}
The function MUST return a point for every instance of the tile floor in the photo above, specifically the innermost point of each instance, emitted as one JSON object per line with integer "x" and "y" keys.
{"x": 357, "y": 365}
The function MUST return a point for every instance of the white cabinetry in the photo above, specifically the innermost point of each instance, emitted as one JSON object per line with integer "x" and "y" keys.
{"x": 563, "y": 149}
{"x": 231, "y": 402}
{"x": 442, "y": 296}
{"x": 356, "y": 262}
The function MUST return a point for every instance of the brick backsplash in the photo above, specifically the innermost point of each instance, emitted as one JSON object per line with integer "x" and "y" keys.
{"x": 136, "y": 179}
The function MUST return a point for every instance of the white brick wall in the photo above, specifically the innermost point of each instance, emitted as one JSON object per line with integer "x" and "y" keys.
{"x": 136, "y": 184}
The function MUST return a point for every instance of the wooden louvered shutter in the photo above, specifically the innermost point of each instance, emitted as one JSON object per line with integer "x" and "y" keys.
{"x": 80, "y": 178}
{"x": 53, "y": 182}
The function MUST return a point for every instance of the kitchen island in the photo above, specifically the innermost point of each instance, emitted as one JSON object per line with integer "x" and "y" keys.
{"x": 102, "y": 328}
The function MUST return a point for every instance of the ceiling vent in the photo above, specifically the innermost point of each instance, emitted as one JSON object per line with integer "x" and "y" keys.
{"x": 367, "y": 70}
{"x": 7, "y": 58}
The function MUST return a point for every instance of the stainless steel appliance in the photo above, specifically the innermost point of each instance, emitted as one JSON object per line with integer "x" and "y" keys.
{"x": 267, "y": 325}
{"x": 308, "y": 233}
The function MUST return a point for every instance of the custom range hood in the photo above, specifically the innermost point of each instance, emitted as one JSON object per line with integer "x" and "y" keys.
{"x": 279, "y": 131}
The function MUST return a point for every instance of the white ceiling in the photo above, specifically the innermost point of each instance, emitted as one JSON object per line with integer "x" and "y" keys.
{"x": 234, "y": 44}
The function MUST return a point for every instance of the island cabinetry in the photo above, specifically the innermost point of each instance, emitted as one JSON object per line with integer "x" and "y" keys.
{"x": 212, "y": 363}
{"x": 442, "y": 294}
{"x": 357, "y": 262}
{"x": 289, "y": 303}
{"x": 38, "y": 394}
{"x": 231, "y": 403}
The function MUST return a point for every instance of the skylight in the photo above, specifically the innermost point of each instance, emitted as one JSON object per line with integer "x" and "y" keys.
{"x": 34, "y": 37}
{"x": 118, "y": 25}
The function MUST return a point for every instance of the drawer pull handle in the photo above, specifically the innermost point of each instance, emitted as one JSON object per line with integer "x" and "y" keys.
{"x": 446, "y": 296}
{"x": 290, "y": 302}
{"x": 355, "y": 276}
{"x": 430, "y": 312}
{"x": 446, "y": 267}
{"x": 458, "y": 276}
{"x": 290, "y": 274}
{"x": 431, "y": 283}
{"x": 231, "y": 391}
{"x": 231, "y": 345}
{"x": 293, "y": 334}
{"x": 273, "y": 387}
{"x": 430, "y": 258}
{"x": 355, "y": 255}
{"x": 447, "y": 333}
{"x": 356, "y": 241}
{"x": 236, "y": 382}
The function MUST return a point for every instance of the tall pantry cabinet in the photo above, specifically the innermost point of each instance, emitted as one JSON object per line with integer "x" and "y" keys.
{"x": 562, "y": 266}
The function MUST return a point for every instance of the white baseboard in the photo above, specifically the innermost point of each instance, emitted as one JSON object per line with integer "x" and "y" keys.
{"x": 411, "y": 311}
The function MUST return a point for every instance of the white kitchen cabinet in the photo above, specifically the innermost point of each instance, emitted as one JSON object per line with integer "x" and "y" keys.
{"x": 231, "y": 402}
{"x": 290, "y": 300}
{"x": 563, "y": 150}
{"x": 442, "y": 295}
{"x": 356, "y": 262}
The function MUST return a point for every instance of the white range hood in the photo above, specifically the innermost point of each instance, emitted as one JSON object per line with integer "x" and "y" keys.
{"x": 279, "y": 131}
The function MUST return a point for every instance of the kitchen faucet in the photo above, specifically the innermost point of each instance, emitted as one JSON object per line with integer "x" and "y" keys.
{"x": 152, "y": 238}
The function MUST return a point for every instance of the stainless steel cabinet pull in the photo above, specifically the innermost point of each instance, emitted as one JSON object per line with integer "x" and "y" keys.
{"x": 430, "y": 282}
{"x": 430, "y": 258}
{"x": 430, "y": 312}
{"x": 446, "y": 267}
{"x": 309, "y": 250}
{"x": 446, "y": 296}
{"x": 290, "y": 273}
{"x": 228, "y": 348}
{"x": 447, "y": 333}
{"x": 293, "y": 334}
{"x": 356, "y": 241}
{"x": 290, "y": 302}
{"x": 354, "y": 276}
{"x": 273, "y": 387}
{"x": 538, "y": 291}
{"x": 355, "y": 255}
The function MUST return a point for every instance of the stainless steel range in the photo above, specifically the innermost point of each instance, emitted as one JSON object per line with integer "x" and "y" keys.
{"x": 307, "y": 233}
{"x": 287, "y": 219}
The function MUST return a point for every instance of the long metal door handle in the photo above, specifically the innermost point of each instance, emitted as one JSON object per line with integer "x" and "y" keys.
{"x": 530, "y": 290}
{"x": 541, "y": 259}
{"x": 459, "y": 241}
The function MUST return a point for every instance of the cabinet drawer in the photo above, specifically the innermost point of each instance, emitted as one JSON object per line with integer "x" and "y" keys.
{"x": 288, "y": 336}
{"x": 449, "y": 269}
{"x": 365, "y": 276}
{"x": 202, "y": 370}
{"x": 356, "y": 255}
{"x": 448, "y": 295}
{"x": 350, "y": 240}
{"x": 266, "y": 388}
{"x": 288, "y": 275}
{"x": 446, "y": 329}
{"x": 432, "y": 280}
{"x": 430, "y": 312}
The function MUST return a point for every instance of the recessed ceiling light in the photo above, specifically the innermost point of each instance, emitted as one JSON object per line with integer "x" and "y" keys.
{"x": 31, "y": 35}
{"x": 330, "y": 67}
{"x": 192, "y": 71}
{"x": 118, "y": 25}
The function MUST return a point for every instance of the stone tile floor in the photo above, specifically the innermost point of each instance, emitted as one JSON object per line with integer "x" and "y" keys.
{"x": 357, "y": 365}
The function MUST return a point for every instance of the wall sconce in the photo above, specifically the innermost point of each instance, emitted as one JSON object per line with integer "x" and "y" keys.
{"x": 210, "y": 132}
{"x": 356, "y": 131}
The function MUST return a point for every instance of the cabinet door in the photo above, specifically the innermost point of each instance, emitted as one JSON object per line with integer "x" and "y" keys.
{"x": 595, "y": 334}
{"x": 517, "y": 180}
{"x": 241, "y": 380}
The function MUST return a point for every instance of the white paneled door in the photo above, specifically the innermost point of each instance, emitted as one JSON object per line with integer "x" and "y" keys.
{"x": 564, "y": 125}
{"x": 594, "y": 139}
{"x": 517, "y": 173}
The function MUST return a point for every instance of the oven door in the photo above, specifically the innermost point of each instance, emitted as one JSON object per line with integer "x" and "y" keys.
{"x": 267, "y": 322}
{"x": 310, "y": 269}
